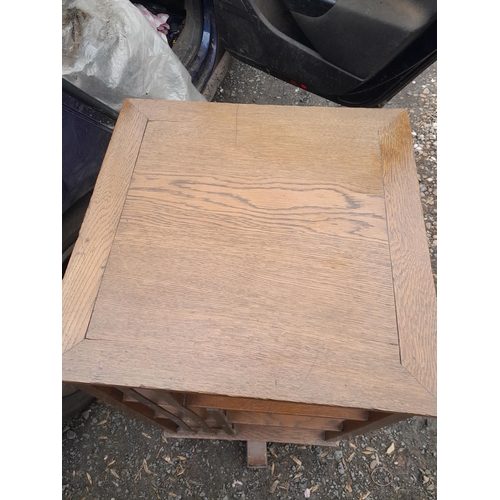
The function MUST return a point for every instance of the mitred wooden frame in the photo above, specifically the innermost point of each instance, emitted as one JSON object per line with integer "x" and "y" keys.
{"x": 354, "y": 399}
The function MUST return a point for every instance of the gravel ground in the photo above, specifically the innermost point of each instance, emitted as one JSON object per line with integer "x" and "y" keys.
{"x": 107, "y": 455}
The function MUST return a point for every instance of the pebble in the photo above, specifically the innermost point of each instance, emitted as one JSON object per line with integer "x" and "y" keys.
{"x": 71, "y": 434}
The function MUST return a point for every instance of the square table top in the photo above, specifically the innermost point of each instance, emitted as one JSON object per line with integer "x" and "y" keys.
{"x": 266, "y": 252}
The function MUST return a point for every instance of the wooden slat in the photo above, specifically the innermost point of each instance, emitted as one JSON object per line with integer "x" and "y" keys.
{"x": 171, "y": 401}
{"x": 155, "y": 396}
{"x": 90, "y": 255}
{"x": 256, "y": 454}
{"x": 114, "y": 397}
{"x": 415, "y": 305}
{"x": 279, "y": 420}
{"x": 186, "y": 412}
{"x": 208, "y": 419}
{"x": 222, "y": 420}
{"x": 251, "y": 417}
{"x": 198, "y": 400}
{"x": 267, "y": 406}
{"x": 156, "y": 408}
{"x": 200, "y": 412}
{"x": 268, "y": 434}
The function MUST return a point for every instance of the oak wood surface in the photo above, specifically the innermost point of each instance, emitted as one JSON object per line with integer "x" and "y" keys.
{"x": 414, "y": 290}
{"x": 219, "y": 243}
{"x": 90, "y": 255}
{"x": 342, "y": 374}
{"x": 262, "y": 262}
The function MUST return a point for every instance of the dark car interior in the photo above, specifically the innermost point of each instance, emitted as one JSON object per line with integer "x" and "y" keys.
{"x": 354, "y": 52}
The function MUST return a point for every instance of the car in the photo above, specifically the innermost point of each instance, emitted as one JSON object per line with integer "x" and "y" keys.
{"x": 357, "y": 53}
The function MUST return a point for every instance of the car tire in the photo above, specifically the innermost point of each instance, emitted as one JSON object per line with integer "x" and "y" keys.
{"x": 73, "y": 400}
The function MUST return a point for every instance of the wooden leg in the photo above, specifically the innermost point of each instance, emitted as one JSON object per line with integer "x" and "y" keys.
{"x": 256, "y": 454}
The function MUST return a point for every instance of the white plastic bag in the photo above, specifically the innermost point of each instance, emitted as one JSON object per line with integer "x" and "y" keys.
{"x": 111, "y": 52}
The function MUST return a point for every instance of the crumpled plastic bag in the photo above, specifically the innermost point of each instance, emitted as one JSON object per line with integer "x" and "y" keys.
{"x": 112, "y": 53}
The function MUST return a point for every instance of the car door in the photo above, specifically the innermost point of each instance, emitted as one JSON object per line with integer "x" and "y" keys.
{"x": 353, "y": 52}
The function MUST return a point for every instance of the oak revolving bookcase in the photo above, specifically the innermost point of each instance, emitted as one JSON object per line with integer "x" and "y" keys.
{"x": 255, "y": 273}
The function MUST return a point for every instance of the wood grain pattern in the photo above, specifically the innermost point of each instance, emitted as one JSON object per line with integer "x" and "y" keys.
{"x": 279, "y": 407}
{"x": 89, "y": 258}
{"x": 242, "y": 234}
{"x": 262, "y": 270}
{"x": 280, "y": 420}
{"x": 342, "y": 374}
{"x": 414, "y": 291}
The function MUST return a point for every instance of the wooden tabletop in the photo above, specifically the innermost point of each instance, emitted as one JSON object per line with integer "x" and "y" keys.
{"x": 264, "y": 252}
